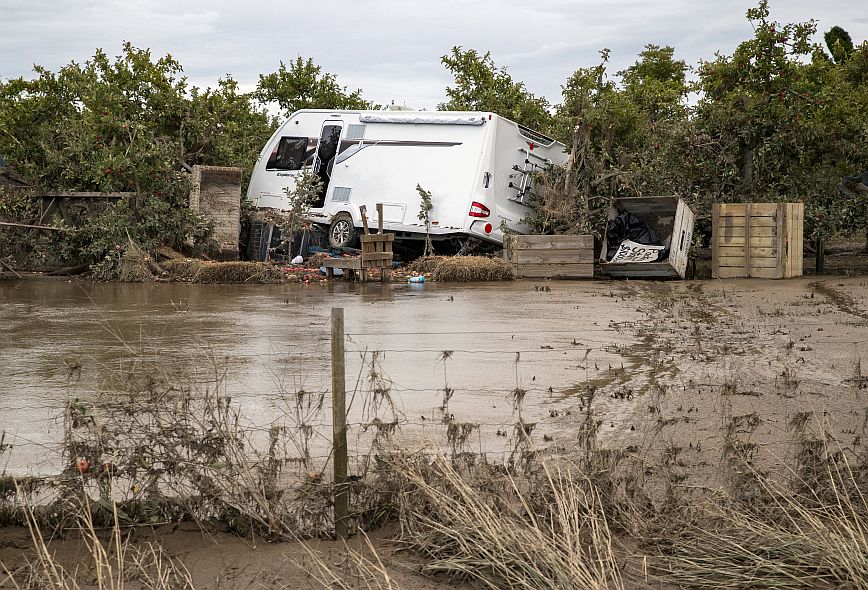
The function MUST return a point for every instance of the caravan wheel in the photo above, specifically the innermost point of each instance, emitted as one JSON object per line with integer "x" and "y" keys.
{"x": 342, "y": 232}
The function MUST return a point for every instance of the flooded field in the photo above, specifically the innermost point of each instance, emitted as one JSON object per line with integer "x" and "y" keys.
{"x": 680, "y": 401}
{"x": 680, "y": 353}
{"x": 63, "y": 341}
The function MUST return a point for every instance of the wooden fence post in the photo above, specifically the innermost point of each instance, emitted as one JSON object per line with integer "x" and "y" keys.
{"x": 339, "y": 423}
{"x": 820, "y": 262}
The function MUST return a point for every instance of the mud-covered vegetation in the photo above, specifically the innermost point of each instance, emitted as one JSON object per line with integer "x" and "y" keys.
{"x": 463, "y": 269}
{"x": 706, "y": 434}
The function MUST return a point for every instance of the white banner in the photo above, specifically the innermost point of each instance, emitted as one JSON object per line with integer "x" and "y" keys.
{"x": 630, "y": 251}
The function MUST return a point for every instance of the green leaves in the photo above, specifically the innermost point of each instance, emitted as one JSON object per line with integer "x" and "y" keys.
{"x": 481, "y": 86}
{"x": 788, "y": 120}
{"x": 303, "y": 85}
{"x": 839, "y": 43}
{"x": 127, "y": 124}
{"x": 299, "y": 200}
{"x": 776, "y": 120}
{"x": 131, "y": 124}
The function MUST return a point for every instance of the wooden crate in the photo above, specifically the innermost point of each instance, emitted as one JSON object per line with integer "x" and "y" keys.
{"x": 550, "y": 257}
{"x": 672, "y": 221}
{"x": 376, "y": 252}
{"x": 761, "y": 240}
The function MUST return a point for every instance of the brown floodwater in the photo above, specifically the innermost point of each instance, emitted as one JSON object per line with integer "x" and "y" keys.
{"x": 63, "y": 340}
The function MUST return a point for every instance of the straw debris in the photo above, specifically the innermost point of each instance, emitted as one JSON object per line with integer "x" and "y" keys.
{"x": 465, "y": 269}
{"x": 136, "y": 266}
{"x": 200, "y": 271}
{"x": 426, "y": 264}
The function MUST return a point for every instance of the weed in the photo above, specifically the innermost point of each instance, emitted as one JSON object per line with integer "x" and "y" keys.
{"x": 114, "y": 562}
{"x": 550, "y": 532}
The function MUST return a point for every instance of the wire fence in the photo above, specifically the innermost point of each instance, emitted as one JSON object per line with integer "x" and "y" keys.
{"x": 478, "y": 386}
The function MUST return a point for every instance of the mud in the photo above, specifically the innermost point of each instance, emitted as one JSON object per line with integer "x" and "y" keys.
{"x": 785, "y": 356}
{"x": 224, "y": 561}
{"x": 768, "y": 345}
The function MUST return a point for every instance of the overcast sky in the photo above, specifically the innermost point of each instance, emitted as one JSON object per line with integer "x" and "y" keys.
{"x": 390, "y": 49}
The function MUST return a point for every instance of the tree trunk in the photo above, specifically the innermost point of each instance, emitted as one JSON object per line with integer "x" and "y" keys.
{"x": 429, "y": 245}
{"x": 821, "y": 255}
{"x": 581, "y": 137}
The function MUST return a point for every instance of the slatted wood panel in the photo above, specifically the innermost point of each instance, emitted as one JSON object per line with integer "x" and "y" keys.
{"x": 757, "y": 240}
{"x": 377, "y": 250}
{"x": 550, "y": 257}
{"x": 795, "y": 239}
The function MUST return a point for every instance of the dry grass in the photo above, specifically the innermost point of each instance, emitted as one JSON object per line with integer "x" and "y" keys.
{"x": 113, "y": 561}
{"x": 800, "y": 543}
{"x": 465, "y": 269}
{"x": 316, "y": 260}
{"x": 505, "y": 532}
{"x": 200, "y": 271}
{"x": 360, "y": 568}
{"x": 136, "y": 266}
{"x": 426, "y": 264}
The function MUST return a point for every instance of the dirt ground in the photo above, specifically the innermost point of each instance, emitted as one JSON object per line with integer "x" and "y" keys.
{"x": 777, "y": 358}
{"x": 785, "y": 359}
{"x": 219, "y": 560}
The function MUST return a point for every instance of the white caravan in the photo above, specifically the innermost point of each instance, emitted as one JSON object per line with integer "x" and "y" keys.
{"x": 478, "y": 167}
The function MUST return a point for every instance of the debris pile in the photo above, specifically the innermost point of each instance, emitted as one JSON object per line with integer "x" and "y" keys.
{"x": 464, "y": 269}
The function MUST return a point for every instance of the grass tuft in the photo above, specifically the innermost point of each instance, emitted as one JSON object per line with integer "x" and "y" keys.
{"x": 505, "y": 532}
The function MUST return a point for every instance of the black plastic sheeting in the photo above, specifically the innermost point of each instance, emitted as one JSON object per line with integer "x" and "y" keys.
{"x": 626, "y": 226}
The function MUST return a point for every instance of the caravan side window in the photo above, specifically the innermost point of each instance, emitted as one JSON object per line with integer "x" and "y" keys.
{"x": 288, "y": 154}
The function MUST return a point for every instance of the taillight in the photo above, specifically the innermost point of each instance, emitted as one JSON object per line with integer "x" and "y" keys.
{"x": 479, "y": 210}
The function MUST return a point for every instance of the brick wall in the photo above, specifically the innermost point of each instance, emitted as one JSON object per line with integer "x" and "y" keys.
{"x": 216, "y": 194}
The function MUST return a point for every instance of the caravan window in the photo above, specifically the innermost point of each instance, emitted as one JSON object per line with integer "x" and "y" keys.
{"x": 288, "y": 154}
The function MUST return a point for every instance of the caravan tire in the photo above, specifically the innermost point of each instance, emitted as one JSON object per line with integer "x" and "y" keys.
{"x": 342, "y": 232}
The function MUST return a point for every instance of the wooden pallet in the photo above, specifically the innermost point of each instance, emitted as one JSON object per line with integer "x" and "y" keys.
{"x": 376, "y": 253}
{"x": 761, "y": 240}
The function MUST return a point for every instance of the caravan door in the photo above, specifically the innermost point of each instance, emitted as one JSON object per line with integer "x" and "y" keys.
{"x": 329, "y": 142}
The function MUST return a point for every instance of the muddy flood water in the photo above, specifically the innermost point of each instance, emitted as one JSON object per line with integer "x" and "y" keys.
{"x": 61, "y": 341}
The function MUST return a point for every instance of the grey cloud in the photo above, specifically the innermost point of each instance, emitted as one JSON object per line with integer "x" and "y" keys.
{"x": 388, "y": 48}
